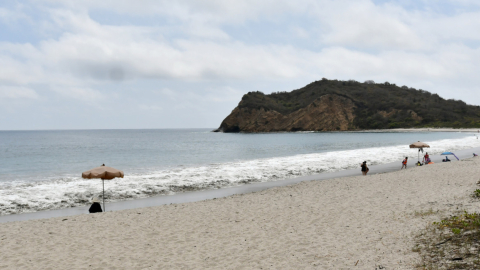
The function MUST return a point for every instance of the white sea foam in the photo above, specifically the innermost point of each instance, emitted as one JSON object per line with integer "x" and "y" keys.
{"x": 65, "y": 192}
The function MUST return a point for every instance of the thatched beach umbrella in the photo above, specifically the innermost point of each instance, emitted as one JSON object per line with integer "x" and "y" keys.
{"x": 420, "y": 145}
{"x": 105, "y": 173}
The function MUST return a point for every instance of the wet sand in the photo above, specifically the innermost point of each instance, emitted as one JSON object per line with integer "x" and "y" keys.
{"x": 472, "y": 130}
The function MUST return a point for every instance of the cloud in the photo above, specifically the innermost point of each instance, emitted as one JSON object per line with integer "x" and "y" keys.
{"x": 81, "y": 93}
{"x": 10, "y": 16}
{"x": 89, "y": 52}
{"x": 206, "y": 11}
{"x": 299, "y": 32}
{"x": 17, "y": 92}
{"x": 97, "y": 52}
{"x": 365, "y": 25}
{"x": 145, "y": 107}
{"x": 458, "y": 28}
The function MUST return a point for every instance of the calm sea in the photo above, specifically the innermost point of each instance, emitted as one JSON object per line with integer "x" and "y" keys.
{"x": 41, "y": 170}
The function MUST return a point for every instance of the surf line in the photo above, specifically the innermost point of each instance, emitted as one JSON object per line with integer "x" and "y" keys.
{"x": 201, "y": 195}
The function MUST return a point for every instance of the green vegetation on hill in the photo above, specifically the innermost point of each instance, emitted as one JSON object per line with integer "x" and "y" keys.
{"x": 378, "y": 105}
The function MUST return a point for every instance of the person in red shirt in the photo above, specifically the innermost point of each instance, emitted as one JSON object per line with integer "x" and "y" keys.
{"x": 426, "y": 158}
{"x": 404, "y": 163}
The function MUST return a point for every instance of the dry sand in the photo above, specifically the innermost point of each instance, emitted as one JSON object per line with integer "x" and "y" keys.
{"x": 332, "y": 224}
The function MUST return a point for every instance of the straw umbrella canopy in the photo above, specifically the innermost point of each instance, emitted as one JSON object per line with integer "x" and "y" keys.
{"x": 105, "y": 173}
{"x": 420, "y": 145}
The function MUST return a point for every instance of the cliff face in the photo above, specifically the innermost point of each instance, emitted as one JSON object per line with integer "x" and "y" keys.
{"x": 327, "y": 113}
{"x": 330, "y": 105}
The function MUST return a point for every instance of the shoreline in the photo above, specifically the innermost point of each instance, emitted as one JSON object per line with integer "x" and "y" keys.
{"x": 349, "y": 222}
{"x": 200, "y": 195}
{"x": 399, "y": 130}
{"x": 473, "y": 130}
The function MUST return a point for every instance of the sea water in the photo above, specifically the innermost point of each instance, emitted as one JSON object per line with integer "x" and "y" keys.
{"x": 41, "y": 170}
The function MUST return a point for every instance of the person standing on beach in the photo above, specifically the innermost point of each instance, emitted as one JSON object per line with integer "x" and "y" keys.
{"x": 364, "y": 168}
{"x": 404, "y": 163}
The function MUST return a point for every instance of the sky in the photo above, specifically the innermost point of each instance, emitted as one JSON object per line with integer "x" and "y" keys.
{"x": 131, "y": 64}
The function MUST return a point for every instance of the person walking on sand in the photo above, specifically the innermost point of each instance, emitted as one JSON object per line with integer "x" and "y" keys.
{"x": 364, "y": 168}
{"x": 404, "y": 163}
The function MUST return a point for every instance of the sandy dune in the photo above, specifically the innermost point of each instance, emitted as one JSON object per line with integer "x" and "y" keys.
{"x": 333, "y": 224}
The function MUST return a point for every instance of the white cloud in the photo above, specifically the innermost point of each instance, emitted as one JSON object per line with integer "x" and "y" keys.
{"x": 12, "y": 16}
{"x": 81, "y": 93}
{"x": 20, "y": 64}
{"x": 98, "y": 52}
{"x": 199, "y": 11}
{"x": 299, "y": 32}
{"x": 464, "y": 2}
{"x": 17, "y": 92}
{"x": 457, "y": 28}
{"x": 167, "y": 92}
{"x": 366, "y": 25}
{"x": 92, "y": 52}
{"x": 149, "y": 107}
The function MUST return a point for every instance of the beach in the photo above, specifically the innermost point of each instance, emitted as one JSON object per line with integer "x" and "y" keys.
{"x": 344, "y": 223}
{"x": 234, "y": 135}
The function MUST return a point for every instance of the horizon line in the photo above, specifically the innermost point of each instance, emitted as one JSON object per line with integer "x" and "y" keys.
{"x": 84, "y": 129}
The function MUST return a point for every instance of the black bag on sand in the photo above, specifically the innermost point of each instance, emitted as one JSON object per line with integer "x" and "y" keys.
{"x": 95, "y": 208}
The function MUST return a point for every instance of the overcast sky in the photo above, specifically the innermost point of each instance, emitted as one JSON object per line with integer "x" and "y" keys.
{"x": 93, "y": 64}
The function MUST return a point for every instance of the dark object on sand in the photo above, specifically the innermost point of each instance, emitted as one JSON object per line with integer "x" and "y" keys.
{"x": 95, "y": 208}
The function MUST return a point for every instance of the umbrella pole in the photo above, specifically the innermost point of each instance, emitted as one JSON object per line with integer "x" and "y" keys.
{"x": 103, "y": 196}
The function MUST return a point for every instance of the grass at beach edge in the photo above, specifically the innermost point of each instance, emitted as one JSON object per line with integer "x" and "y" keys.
{"x": 451, "y": 243}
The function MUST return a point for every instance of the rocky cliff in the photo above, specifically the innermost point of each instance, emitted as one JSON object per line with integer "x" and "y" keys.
{"x": 327, "y": 113}
{"x": 331, "y": 105}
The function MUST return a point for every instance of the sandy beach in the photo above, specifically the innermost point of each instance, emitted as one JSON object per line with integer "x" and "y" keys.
{"x": 344, "y": 223}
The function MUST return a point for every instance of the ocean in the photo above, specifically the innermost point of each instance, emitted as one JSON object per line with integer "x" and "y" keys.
{"x": 41, "y": 170}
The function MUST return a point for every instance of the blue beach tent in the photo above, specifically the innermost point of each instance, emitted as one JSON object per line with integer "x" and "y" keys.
{"x": 449, "y": 153}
